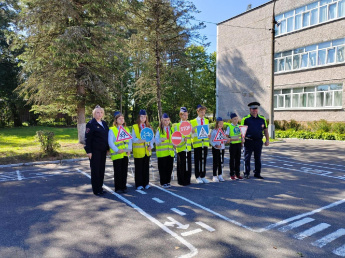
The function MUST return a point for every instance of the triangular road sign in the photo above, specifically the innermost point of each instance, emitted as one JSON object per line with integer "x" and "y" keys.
{"x": 123, "y": 135}
{"x": 220, "y": 136}
{"x": 243, "y": 129}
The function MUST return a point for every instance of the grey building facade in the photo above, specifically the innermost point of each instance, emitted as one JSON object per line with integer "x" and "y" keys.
{"x": 309, "y": 71}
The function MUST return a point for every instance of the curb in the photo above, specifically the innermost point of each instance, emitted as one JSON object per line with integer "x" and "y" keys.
{"x": 42, "y": 162}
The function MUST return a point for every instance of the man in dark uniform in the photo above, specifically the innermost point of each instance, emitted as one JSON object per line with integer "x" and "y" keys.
{"x": 253, "y": 141}
{"x": 96, "y": 147}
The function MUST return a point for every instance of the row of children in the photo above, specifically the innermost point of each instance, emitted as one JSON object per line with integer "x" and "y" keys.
{"x": 165, "y": 150}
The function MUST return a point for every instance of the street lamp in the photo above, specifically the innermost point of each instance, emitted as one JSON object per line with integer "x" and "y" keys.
{"x": 271, "y": 128}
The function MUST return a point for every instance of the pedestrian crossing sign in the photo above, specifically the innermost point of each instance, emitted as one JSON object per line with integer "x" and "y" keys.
{"x": 123, "y": 135}
{"x": 220, "y": 136}
{"x": 243, "y": 129}
{"x": 202, "y": 131}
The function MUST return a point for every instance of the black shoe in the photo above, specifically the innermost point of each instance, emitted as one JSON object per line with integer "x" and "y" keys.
{"x": 246, "y": 176}
{"x": 124, "y": 190}
{"x": 258, "y": 176}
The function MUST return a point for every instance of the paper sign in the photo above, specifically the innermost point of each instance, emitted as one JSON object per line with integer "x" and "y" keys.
{"x": 220, "y": 136}
{"x": 176, "y": 138}
{"x": 202, "y": 131}
{"x": 185, "y": 128}
{"x": 123, "y": 135}
{"x": 243, "y": 129}
{"x": 146, "y": 134}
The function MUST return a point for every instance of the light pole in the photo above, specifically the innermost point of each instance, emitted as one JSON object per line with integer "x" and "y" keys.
{"x": 271, "y": 129}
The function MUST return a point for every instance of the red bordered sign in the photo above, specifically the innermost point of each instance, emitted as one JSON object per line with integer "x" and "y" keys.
{"x": 123, "y": 135}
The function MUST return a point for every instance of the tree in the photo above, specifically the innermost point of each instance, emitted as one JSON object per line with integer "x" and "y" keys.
{"x": 69, "y": 44}
{"x": 163, "y": 34}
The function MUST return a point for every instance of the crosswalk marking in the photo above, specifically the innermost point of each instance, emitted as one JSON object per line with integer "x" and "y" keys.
{"x": 140, "y": 191}
{"x": 157, "y": 200}
{"x": 329, "y": 238}
{"x": 205, "y": 226}
{"x": 311, "y": 231}
{"x": 340, "y": 251}
{"x": 192, "y": 232}
{"x": 178, "y": 211}
{"x": 295, "y": 224}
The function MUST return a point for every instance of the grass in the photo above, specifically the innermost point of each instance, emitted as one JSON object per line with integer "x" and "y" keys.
{"x": 20, "y": 144}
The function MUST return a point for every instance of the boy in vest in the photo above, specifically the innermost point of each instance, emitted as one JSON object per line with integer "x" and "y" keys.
{"x": 200, "y": 146}
{"x": 236, "y": 144}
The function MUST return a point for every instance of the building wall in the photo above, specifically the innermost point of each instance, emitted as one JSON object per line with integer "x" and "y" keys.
{"x": 244, "y": 63}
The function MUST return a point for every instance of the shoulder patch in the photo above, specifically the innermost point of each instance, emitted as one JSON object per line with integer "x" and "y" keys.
{"x": 87, "y": 130}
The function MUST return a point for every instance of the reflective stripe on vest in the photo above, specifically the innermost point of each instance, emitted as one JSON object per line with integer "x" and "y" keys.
{"x": 198, "y": 142}
{"x": 139, "y": 149}
{"x": 119, "y": 145}
{"x": 184, "y": 145}
{"x": 165, "y": 148}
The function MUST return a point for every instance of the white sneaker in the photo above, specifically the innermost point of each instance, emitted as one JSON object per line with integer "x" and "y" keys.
{"x": 147, "y": 187}
{"x": 140, "y": 188}
{"x": 199, "y": 181}
{"x": 215, "y": 179}
{"x": 205, "y": 180}
{"x": 165, "y": 186}
{"x": 221, "y": 179}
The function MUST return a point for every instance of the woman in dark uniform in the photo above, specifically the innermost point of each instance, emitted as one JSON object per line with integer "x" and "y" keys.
{"x": 96, "y": 147}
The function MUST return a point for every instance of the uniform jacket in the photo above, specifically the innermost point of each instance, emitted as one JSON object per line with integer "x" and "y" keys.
{"x": 96, "y": 136}
{"x": 255, "y": 126}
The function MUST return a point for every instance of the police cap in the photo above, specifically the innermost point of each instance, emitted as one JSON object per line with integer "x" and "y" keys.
{"x": 254, "y": 105}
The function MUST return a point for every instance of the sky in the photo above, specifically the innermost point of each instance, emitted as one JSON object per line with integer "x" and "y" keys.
{"x": 215, "y": 11}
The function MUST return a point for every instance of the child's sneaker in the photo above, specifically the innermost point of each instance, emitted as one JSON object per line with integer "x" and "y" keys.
{"x": 232, "y": 178}
{"x": 221, "y": 179}
{"x": 204, "y": 180}
{"x": 215, "y": 179}
{"x": 199, "y": 181}
{"x": 239, "y": 177}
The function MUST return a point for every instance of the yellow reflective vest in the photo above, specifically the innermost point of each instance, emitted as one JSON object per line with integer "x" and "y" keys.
{"x": 184, "y": 145}
{"x": 198, "y": 142}
{"x": 234, "y": 130}
{"x": 165, "y": 148}
{"x": 119, "y": 145}
{"x": 139, "y": 149}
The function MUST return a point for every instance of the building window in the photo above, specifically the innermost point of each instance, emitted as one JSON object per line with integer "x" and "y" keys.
{"x": 314, "y": 97}
{"x": 310, "y": 15}
{"x": 323, "y": 54}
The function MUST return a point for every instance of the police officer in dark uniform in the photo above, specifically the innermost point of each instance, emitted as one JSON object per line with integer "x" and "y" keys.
{"x": 253, "y": 141}
{"x": 96, "y": 147}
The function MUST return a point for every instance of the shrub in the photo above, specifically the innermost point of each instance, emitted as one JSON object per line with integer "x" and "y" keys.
{"x": 338, "y": 127}
{"x": 322, "y": 125}
{"x": 49, "y": 145}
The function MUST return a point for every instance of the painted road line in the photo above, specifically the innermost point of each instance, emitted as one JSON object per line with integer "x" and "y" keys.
{"x": 340, "y": 251}
{"x": 19, "y": 176}
{"x": 205, "y": 226}
{"x": 157, "y": 200}
{"x": 311, "y": 231}
{"x": 192, "y": 232}
{"x": 140, "y": 191}
{"x": 295, "y": 224}
{"x": 288, "y": 165}
{"x": 178, "y": 211}
{"x": 172, "y": 222}
{"x": 329, "y": 238}
{"x": 269, "y": 227}
{"x": 193, "y": 251}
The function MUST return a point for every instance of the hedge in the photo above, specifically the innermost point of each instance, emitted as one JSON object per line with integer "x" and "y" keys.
{"x": 309, "y": 135}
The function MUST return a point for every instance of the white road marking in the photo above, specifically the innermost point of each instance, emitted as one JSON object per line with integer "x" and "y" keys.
{"x": 173, "y": 222}
{"x": 295, "y": 224}
{"x": 205, "y": 226}
{"x": 178, "y": 211}
{"x": 140, "y": 191}
{"x": 158, "y": 200}
{"x": 288, "y": 165}
{"x": 109, "y": 174}
{"x": 192, "y": 232}
{"x": 329, "y": 238}
{"x": 193, "y": 251}
{"x": 19, "y": 176}
{"x": 311, "y": 231}
{"x": 340, "y": 251}
{"x": 129, "y": 185}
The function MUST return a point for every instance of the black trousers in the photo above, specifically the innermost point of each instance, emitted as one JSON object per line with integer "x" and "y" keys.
{"x": 120, "y": 173}
{"x": 200, "y": 169}
{"x": 97, "y": 165}
{"x": 235, "y": 158}
{"x": 184, "y": 167}
{"x": 250, "y": 147}
{"x": 217, "y": 161}
{"x": 223, "y": 153}
{"x": 165, "y": 168}
{"x": 142, "y": 171}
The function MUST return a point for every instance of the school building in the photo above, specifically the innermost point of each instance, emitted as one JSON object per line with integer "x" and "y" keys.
{"x": 309, "y": 63}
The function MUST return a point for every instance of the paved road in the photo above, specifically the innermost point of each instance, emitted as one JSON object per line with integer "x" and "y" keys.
{"x": 297, "y": 211}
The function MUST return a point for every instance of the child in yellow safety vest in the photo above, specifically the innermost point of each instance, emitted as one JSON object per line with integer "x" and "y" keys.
{"x": 141, "y": 152}
{"x": 236, "y": 143}
{"x": 165, "y": 151}
{"x": 119, "y": 151}
{"x": 200, "y": 146}
{"x": 184, "y": 154}
{"x": 217, "y": 148}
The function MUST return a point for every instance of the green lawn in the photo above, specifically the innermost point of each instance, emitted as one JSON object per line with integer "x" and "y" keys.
{"x": 20, "y": 144}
